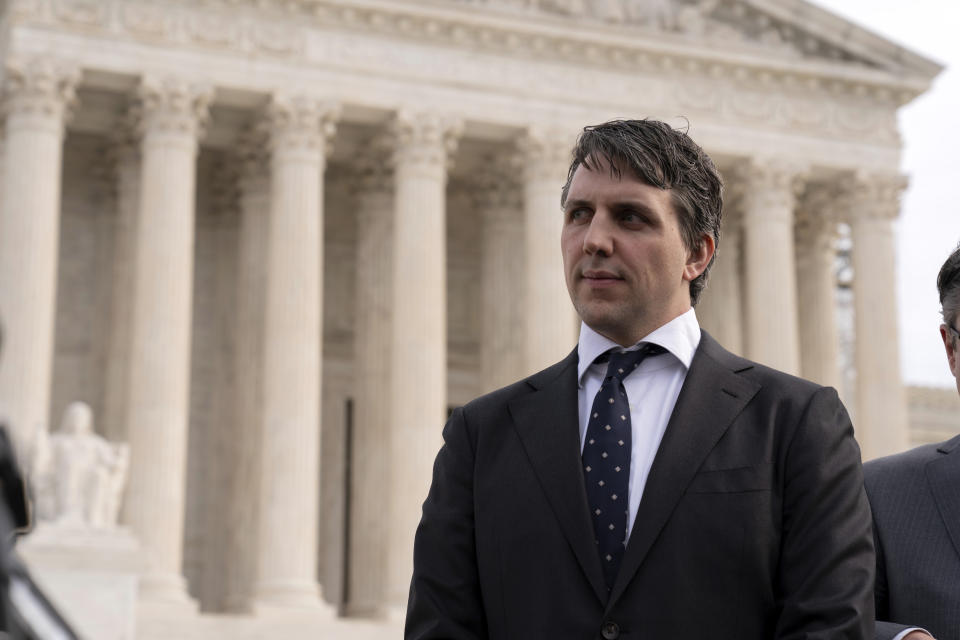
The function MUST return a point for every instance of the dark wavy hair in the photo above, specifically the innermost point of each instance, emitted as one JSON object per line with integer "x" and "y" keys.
{"x": 948, "y": 284}
{"x": 663, "y": 157}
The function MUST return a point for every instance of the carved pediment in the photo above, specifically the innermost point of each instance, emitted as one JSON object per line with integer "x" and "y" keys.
{"x": 788, "y": 28}
{"x": 759, "y": 39}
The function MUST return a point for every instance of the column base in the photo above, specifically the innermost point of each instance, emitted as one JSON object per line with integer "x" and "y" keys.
{"x": 365, "y": 611}
{"x": 166, "y": 591}
{"x": 293, "y": 595}
{"x": 395, "y": 613}
{"x": 238, "y": 603}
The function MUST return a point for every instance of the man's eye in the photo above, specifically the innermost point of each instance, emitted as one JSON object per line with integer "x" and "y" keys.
{"x": 631, "y": 217}
{"x": 578, "y": 214}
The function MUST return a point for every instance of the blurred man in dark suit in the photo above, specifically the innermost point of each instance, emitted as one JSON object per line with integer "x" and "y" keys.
{"x": 915, "y": 497}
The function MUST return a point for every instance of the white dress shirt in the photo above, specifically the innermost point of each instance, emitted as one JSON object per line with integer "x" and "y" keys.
{"x": 652, "y": 390}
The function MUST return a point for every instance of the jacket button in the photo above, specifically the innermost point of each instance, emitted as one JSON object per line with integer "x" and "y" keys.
{"x": 610, "y": 630}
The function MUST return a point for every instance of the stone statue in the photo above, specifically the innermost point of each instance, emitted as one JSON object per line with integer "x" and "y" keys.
{"x": 79, "y": 477}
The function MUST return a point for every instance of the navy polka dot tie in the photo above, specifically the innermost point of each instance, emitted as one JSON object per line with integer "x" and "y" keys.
{"x": 606, "y": 458}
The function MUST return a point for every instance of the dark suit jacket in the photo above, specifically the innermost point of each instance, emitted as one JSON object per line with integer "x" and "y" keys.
{"x": 915, "y": 497}
{"x": 753, "y": 522}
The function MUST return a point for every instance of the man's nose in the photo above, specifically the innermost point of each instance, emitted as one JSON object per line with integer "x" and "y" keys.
{"x": 599, "y": 236}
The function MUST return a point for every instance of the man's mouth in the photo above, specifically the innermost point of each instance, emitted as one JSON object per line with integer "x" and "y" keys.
{"x": 600, "y": 276}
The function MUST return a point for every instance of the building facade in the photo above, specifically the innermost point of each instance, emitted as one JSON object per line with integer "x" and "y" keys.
{"x": 270, "y": 243}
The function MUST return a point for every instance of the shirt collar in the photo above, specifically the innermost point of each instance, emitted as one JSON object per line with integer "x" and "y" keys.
{"x": 680, "y": 337}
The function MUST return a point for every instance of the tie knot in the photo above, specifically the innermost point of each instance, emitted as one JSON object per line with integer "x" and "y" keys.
{"x": 623, "y": 363}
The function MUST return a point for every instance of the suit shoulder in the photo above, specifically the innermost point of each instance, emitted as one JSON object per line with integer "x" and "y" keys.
{"x": 772, "y": 381}
{"x": 894, "y": 468}
{"x": 497, "y": 398}
{"x": 783, "y": 383}
{"x": 500, "y": 398}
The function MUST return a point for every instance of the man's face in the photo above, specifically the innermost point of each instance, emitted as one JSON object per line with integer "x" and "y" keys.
{"x": 627, "y": 268}
{"x": 951, "y": 343}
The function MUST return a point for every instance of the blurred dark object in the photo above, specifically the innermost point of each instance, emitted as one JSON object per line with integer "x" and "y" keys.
{"x": 26, "y": 613}
{"x": 12, "y": 488}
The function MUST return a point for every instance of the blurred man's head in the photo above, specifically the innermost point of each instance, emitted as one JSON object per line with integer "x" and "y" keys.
{"x": 948, "y": 283}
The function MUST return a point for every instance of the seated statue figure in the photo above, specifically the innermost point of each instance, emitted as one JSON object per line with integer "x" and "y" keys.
{"x": 79, "y": 476}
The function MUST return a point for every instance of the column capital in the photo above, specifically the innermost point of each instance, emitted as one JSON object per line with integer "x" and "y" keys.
{"x": 425, "y": 138}
{"x": 40, "y": 86}
{"x": 167, "y": 104}
{"x": 768, "y": 186}
{"x": 495, "y": 187}
{"x": 301, "y": 123}
{"x": 225, "y": 190}
{"x": 373, "y": 165}
{"x": 817, "y": 213}
{"x": 544, "y": 152}
{"x": 874, "y": 196}
{"x": 254, "y": 159}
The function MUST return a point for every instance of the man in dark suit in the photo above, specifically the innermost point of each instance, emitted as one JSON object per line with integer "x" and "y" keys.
{"x": 651, "y": 484}
{"x": 915, "y": 497}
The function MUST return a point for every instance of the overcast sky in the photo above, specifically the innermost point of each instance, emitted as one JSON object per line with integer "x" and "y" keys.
{"x": 929, "y": 225}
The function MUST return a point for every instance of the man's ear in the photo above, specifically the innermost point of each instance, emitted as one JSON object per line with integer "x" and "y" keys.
{"x": 951, "y": 347}
{"x": 699, "y": 257}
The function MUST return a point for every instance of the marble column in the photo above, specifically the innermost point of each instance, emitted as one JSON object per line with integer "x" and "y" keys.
{"x": 720, "y": 307}
{"x": 171, "y": 117}
{"x": 551, "y": 325}
{"x": 881, "y": 402}
{"x": 497, "y": 196}
{"x": 816, "y": 286}
{"x": 371, "y": 413}
{"x": 244, "y": 470}
{"x": 37, "y": 97}
{"x": 290, "y": 431}
{"x": 418, "y": 353}
{"x": 126, "y": 161}
{"x": 769, "y": 196}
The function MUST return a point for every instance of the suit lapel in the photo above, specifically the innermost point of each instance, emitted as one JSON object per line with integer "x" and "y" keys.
{"x": 713, "y": 394}
{"x": 943, "y": 478}
{"x": 547, "y": 423}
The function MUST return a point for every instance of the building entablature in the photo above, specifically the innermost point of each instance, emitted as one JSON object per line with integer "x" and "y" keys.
{"x": 745, "y": 73}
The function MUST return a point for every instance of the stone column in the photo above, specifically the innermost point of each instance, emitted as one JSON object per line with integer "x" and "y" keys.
{"x": 37, "y": 96}
{"x": 244, "y": 472}
{"x": 171, "y": 119}
{"x": 290, "y": 436}
{"x": 370, "y": 475}
{"x": 881, "y": 404}
{"x": 126, "y": 157}
{"x": 498, "y": 199}
{"x": 551, "y": 325}
{"x": 418, "y": 353}
{"x": 816, "y": 287}
{"x": 720, "y": 308}
{"x": 769, "y": 196}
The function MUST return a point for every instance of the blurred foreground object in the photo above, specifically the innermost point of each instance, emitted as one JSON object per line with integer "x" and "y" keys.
{"x": 27, "y": 613}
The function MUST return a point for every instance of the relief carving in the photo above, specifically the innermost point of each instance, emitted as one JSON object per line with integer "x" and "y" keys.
{"x": 277, "y": 39}
{"x": 145, "y": 19}
{"x": 81, "y": 12}
{"x": 210, "y": 29}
